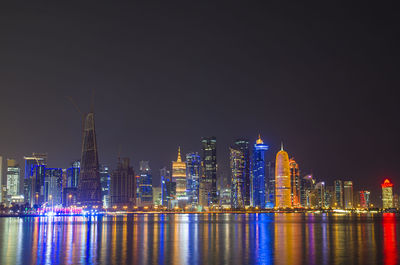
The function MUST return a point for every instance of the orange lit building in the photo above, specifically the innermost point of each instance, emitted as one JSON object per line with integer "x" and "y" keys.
{"x": 295, "y": 182}
{"x": 387, "y": 194}
{"x": 282, "y": 180}
{"x": 179, "y": 175}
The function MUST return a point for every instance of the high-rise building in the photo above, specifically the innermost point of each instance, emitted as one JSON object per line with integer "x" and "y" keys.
{"x": 282, "y": 180}
{"x": 34, "y": 178}
{"x": 364, "y": 198}
{"x": 145, "y": 185}
{"x": 193, "y": 172}
{"x": 338, "y": 184}
{"x": 1, "y": 179}
{"x": 320, "y": 194}
{"x": 329, "y": 196}
{"x": 13, "y": 177}
{"x": 387, "y": 194}
{"x": 70, "y": 190}
{"x": 105, "y": 182}
{"x": 295, "y": 182}
{"x": 307, "y": 186}
{"x": 348, "y": 194}
{"x": 237, "y": 164}
{"x": 89, "y": 188}
{"x": 258, "y": 177}
{"x": 179, "y": 175}
{"x": 53, "y": 186}
{"x": 208, "y": 182}
{"x": 123, "y": 185}
{"x": 157, "y": 196}
{"x": 243, "y": 146}
{"x": 168, "y": 188}
{"x": 270, "y": 184}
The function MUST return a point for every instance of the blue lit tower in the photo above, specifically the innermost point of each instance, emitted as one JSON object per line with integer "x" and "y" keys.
{"x": 53, "y": 186}
{"x": 168, "y": 188}
{"x": 208, "y": 182}
{"x": 89, "y": 188}
{"x": 258, "y": 177}
{"x": 243, "y": 146}
{"x": 145, "y": 185}
{"x": 193, "y": 171}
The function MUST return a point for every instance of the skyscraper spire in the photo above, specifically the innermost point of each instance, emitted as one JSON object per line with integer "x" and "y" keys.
{"x": 259, "y": 140}
{"x": 281, "y": 145}
{"x": 179, "y": 155}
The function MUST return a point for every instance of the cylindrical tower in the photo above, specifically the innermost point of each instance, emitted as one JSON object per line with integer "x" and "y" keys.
{"x": 282, "y": 180}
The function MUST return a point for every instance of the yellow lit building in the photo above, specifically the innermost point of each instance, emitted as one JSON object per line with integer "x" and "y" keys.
{"x": 179, "y": 175}
{"x": 387, "y": 194}
{"x": 283, "y": 196}
{"x": 295, "y": 182}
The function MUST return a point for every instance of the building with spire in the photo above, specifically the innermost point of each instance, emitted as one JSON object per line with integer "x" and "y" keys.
{"x": 295, "y": 182}
{"x": 282, "y": 180}
{"x": 258, "y": 186}
{"x": 179, "y": 175}
{"x": 89, "y": 188}
{"x": 387, "y": 194}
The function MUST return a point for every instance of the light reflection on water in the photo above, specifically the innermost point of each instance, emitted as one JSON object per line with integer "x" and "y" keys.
{"x": 201, "y": 239}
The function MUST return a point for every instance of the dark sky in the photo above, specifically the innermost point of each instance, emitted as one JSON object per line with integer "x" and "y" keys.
{"x": 322, "y": 77}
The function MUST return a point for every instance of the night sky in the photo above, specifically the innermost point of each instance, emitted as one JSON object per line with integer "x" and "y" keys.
{"x": 321, "y": 77}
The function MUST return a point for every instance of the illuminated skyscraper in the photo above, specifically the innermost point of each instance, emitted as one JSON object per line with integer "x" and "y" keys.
{"x": 364, "y": 198}
{"x": 70, "y": 191}
{"x": 338, "y": 184}
{"x": 259, "y": 176}
{"x": 237, "y": 163}
{"x": 53, "y": 186}
{"x": 208, "y": 181}
{"x": 282, "y": 180}
{"x": 89, "y": 188}
{"x": 179, "y": 175}
{"x": 243, "y": 145}
{"x": 387, "y": 194}
{"x": 320, "y": 194}
{"x": 145, "y": 185}
{"x": 168, "y": 188}
{"x": 13, "y": 177}
{"x": 307, "y": 191}
{"x": 193, "y": 172}
{"x": 123, "y": 184}
{"x": 295, "y": 182}
{"x": 270, "y": 184}
{"x": 34, "y": 178}
{"x": 348, "y": 195}
{"x": 105, "y": 182}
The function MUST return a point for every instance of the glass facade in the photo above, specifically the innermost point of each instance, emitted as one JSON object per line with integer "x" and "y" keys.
{"x": 282, "y": 180}
{"x": 237, "y": 182}
{"x": 258, "y": 185}
{"x": 208, "y": 181}
{"x": 193, "y": 171}
{"x": 145, "y": 185}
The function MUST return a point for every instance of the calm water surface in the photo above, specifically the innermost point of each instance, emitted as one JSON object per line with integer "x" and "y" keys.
{"x": 201, "y": 239}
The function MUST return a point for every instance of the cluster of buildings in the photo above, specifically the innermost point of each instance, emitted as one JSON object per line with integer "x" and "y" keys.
{"x": 190, "y": 182}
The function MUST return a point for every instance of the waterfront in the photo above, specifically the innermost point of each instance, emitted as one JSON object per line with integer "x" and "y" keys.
{"x": 202, "y": 239}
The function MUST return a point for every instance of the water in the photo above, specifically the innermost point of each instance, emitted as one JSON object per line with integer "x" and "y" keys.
{"x": 201, "y": 239}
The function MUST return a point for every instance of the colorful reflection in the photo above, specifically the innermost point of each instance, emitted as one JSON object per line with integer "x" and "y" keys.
{"x": 201, "y": 239}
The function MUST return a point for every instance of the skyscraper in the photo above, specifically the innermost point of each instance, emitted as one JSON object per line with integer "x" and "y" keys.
{"x": 70, "y": 191}
{"x": 208, "y": 182}
{"x": 105, "y": 182}
{"x": 258, "y": 177}
{"x": 168, "y": 188}
{"x": 338, "y": 184}
{"x": 123, "y": 184}
{"x": 13, "y": 177}
{"x": 243, "y": 145}
{"x": 348, "y": 194}
{"x": 145, "y": 194}
{"x": 364, "y": 198}
{"x": 270, "y": 184}
{"x": 295, "y": 182}
{"x": 387, "y": 194}
{"x": 179, "y": 175}
{"x": 89, "y": 188}
{"x": 53, "y": 186}
{"x": 282, "y": 180}
{"x": 34, "y": 178}
{"x": 193, "y": 171}
{"x": 237, "y": 182}
{"x": 1, "y": 179}
{"x": 320, "y": 194}
{"x": 306, "y": 191}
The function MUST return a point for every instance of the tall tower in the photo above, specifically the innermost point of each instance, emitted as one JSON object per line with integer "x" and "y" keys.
{"x": 123, "y": 184}
{"x": 348, "y": 195}
{"x": 258, "y": 176}
{"x": 243, "y": 146}
{"x": 193, "y": 171}
{"x": 282, "y": 180}
{"x": 179, "y": 175}
{"x": 338, "y": 193}
{"x": 295, "y": 182}
{"x": 208, "y": 182}
{"x": 237, "y": 184}
{"x": 387, "y": 194}
{"x": 89, "y": 188}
